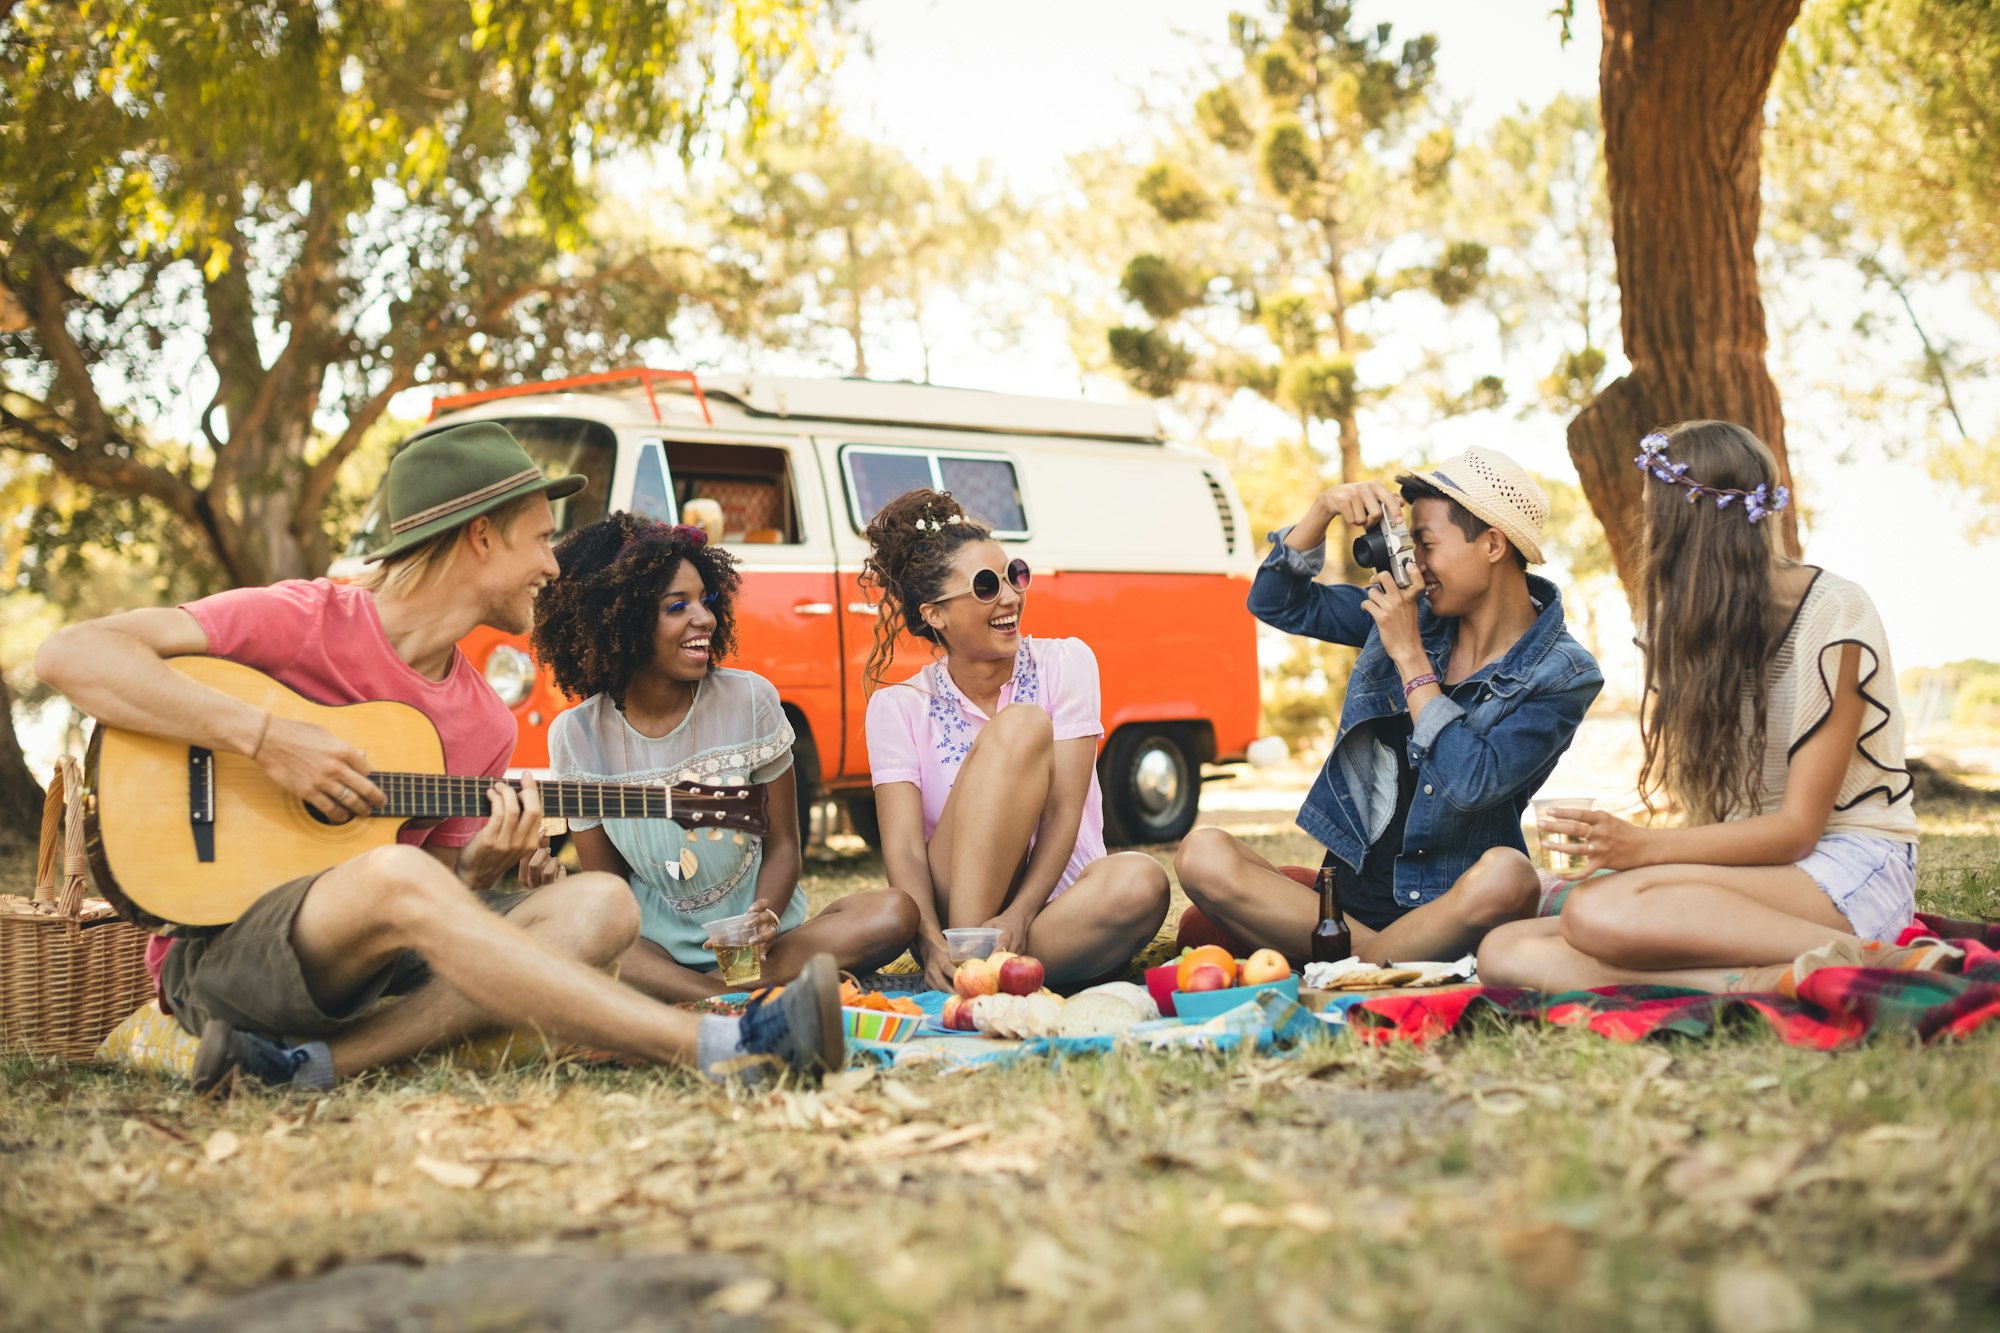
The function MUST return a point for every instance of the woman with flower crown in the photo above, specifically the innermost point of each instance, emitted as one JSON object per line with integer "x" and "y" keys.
{"x": 985, "y": 760}
{"x": 637, "y": 626}
{"x": 1771, "y": 720}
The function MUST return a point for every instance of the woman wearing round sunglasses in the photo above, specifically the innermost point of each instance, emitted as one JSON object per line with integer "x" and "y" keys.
{"x": 639, "y": 622}
{"x": 984, "y": 761}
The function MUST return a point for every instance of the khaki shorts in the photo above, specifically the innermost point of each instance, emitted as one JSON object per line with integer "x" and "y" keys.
{"x": 247, "y": 973}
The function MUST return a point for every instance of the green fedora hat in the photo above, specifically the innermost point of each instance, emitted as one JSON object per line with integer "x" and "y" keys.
{"x": 448, "y": 479}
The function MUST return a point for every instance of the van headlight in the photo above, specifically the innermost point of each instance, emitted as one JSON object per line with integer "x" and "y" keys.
{"x": 511, "y": 673}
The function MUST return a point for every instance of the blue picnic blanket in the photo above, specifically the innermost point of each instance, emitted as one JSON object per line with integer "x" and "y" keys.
{"x": 1272, "y": 1023}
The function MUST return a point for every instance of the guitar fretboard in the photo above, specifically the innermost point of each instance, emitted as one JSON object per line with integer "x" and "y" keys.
{"x": 436, "y": 796}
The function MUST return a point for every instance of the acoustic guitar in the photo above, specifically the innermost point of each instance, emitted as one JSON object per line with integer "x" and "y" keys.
{"x": 181, "y": 835}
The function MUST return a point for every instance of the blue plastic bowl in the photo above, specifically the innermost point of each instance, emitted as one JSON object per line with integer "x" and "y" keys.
{"x": 1198, "y": 1006}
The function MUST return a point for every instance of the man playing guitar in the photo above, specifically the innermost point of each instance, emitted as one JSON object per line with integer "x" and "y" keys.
{"x": 284, "y": 993}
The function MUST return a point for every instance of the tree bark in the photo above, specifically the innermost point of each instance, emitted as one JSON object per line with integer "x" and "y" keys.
{"x": 20, "y": 795}
{"x": 1682, "y": 85}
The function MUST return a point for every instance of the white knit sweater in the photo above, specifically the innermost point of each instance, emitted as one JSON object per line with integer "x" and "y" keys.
{"x": 1874, "y": 797}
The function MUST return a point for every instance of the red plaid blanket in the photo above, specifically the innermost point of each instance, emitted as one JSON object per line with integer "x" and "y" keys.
{"x": 1835, "y": 1007}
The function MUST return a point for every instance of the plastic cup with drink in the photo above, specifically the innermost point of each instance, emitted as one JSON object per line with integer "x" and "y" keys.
{"x": 739, "y": 953}
{"x": 1562, "y": 853}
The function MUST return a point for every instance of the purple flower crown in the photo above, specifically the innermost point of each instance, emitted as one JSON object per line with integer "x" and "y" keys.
{"x": 1653, "y": 458}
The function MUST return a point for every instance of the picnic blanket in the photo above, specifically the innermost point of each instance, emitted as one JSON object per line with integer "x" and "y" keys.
{"x": 1834, "y": 1008}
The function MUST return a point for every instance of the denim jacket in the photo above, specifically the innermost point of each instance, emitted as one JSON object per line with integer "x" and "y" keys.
{"x": 1480, "y": 751}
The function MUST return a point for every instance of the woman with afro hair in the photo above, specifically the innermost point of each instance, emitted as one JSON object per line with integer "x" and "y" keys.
{"x": 637, "y": 627}
{"x": 984, "y": 761}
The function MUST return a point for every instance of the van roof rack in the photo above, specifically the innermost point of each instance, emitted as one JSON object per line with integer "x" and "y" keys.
{"x": 861, "y": 402}
{"x": 645, "y": 375}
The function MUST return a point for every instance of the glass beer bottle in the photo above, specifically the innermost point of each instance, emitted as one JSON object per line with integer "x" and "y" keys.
{"x": 1331, "y": 939}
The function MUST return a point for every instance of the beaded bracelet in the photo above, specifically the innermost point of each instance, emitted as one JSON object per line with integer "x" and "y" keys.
{"x": 1428, "y": 678}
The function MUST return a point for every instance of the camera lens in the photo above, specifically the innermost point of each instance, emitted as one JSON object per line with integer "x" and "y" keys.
{"x": 1371, "y": 550}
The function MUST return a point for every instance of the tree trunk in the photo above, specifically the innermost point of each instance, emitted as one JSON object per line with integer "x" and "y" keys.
{"x": 1682, "y": 86}
{"x": 20, "y": 795}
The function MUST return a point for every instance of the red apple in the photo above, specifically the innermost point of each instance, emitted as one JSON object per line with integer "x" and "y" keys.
{"x": 976, "y": 977}
{"x": 1021, "y": 975}
{"x": 1265, "y": 965}
{"x": 1207, "y": 977}
{"x": 957, "y": 1014}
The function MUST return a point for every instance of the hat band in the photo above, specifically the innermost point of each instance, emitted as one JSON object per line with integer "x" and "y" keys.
{"x": 450, "y": 507}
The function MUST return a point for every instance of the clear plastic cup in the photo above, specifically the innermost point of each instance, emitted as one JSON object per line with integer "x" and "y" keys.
{"x": 971, "y": 942}
{"x": 1555, "y": 860}
{"x": 739, "y": 955}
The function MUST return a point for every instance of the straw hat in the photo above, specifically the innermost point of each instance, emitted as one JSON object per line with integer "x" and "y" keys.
{"x": 1493, "y": 487}
{"x": 445, "y": 480}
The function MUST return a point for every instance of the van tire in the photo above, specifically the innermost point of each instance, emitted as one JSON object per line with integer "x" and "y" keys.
{"x": 864, "y": 818}
{"x": 805, "y": 764}
{"x": 1151, "y": 778}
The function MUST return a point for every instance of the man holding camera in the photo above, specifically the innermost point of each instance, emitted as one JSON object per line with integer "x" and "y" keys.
{"x": 1467, "y": 690}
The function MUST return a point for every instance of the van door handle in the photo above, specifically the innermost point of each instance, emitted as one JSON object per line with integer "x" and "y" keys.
{"x": 813, "y": 609}
{"x": 863, "y": 608}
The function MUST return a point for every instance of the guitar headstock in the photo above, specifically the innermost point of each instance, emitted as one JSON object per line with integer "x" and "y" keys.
{"x": 744, "y": 807}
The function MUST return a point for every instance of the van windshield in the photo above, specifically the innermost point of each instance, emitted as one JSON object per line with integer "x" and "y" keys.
{"x": 559, "y": 446}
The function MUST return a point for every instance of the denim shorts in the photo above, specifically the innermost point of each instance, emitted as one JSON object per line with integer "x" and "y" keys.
{"x": 1873, "y": 882}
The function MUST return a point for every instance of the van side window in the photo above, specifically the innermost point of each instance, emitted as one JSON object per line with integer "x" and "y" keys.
{"x": 649, "y": 487}
{"x": 986, "y": 484}
{"x": 750, "y": 483}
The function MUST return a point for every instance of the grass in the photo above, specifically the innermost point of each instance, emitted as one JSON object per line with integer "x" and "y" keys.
{"x": 1522, "y": 1178}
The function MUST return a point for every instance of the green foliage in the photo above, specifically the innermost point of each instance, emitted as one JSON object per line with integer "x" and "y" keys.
{"x": 1159, "y": 288}
{"x": 1458, "y": 275}
{"x": 1531, "y": 193}
{"x": 1152, "y": 361}
{"x": 1321, "y": 387}
{"x": 1175, "y": 193}
{"x": 1286, "y": 156}
{"x": 1221, "y": 119}
{"x": 1293, "y": 181}
{"x": 847, "y": 236}
{"x": 1883, "y": 129}
{"x": 265, "y": 214}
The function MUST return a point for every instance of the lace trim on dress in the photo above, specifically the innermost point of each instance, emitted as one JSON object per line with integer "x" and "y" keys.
{"x": 709, "y": 766}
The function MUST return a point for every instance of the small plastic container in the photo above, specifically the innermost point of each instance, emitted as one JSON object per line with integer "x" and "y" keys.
{"x": 738, "y": 956}
{"x": 1160, "y": 984}
{"x": 971, "y": 942}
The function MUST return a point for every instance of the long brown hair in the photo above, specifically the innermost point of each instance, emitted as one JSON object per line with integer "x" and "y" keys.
{"x": 912, "y": 543}
{"x": 1710, "y": 627}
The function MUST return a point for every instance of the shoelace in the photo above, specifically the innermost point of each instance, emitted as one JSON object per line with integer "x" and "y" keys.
{"x": 763, "y": 1025}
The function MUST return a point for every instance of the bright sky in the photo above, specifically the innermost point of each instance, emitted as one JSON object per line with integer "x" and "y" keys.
{"x": 1026, "y": 84}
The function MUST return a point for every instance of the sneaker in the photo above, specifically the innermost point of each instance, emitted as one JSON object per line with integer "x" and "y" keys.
{"x": 227, "y": 1053}
{"x": 800, "y": 1027}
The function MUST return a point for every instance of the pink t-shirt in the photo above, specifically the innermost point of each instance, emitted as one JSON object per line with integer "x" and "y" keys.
{"x": 325, "y": 641}
{"x": 921, "y": 729}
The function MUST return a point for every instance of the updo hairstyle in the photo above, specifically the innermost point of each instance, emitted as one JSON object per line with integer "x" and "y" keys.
{"x": 913, "y": 542}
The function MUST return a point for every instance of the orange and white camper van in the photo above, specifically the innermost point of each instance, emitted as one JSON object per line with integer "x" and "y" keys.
{"x": 1139, "y": 547}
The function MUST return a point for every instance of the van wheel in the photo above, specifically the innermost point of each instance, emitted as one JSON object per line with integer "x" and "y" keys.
{"x": 867, "y": 823}
{"x": 1152, "y": 785}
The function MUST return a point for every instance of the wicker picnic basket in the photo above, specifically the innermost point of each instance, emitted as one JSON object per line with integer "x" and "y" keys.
{"x": 70, "y": 969}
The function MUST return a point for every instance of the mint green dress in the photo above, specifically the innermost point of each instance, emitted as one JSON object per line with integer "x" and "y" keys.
{"x": 734, "y": 733}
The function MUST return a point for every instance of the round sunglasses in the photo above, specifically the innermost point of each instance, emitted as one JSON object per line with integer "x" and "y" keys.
{"x": 985, "y": 585}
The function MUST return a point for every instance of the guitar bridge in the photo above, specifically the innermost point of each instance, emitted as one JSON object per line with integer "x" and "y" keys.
{"x": 201, "y": 801}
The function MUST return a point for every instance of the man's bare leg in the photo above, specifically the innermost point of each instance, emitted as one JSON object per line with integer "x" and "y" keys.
{"x": 1247, "y": 896}
{"x": 359, "y": 916}
{"x": 585, "y": 917}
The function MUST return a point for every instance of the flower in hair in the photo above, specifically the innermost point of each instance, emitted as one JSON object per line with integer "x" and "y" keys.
{"x": 927, "y": 523}
{"x": 1653, "y": 461}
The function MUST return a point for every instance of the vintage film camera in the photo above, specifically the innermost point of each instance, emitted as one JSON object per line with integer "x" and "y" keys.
{"x": 1387, "y": 546}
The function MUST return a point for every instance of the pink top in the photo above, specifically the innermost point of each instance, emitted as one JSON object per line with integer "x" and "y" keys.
{"x": 921, "y": 729}
{"x": 325, "y": 641}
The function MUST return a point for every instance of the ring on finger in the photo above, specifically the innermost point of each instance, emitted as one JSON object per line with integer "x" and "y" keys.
{"x": 345, "y": 792}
